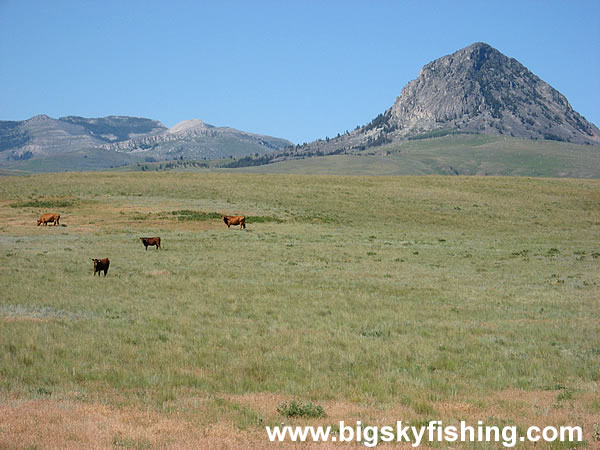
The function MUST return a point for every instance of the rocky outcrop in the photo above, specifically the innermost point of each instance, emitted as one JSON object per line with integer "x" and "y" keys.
{"x": 478, "y": 89}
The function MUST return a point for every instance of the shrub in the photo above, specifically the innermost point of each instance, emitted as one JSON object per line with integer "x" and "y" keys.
{"x": 263, "y": 219}
{"x": 186, "y": 214}
{"x": 299, "y": 409}
{"x": 43, "y": 204}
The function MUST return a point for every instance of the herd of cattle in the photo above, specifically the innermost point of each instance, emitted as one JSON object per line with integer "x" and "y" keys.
{"x": 101, "y": 265}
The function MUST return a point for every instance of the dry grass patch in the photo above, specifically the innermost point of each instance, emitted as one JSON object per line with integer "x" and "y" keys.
{"x": 54, "y": 424}
{"x": 221, "y": 421}
{"x": 513, "y": 407}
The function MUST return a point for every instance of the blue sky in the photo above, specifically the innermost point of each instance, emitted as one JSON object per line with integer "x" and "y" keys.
{"x": 300, "y": 70}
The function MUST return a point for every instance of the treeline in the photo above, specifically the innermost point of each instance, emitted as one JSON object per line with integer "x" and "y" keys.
{"x": 248, "y": 161}
{"x": 172, "y": 165}
{"x": 441, "y": 132}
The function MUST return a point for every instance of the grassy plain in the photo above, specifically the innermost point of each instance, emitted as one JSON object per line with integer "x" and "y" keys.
{"x": 377, "y": 298}
{"x": 466, "y": 154}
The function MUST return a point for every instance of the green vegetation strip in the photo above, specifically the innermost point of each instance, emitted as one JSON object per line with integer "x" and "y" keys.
{"x": 187, "y": 214}
{"x": 49, "y": 203}
{"x": 200, "y": 216}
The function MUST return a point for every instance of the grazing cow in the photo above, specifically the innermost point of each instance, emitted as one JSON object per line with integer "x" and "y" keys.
{"x": 100, "y": 265}
{"x": 50, "y": 217}
{"x": 235, "y": 220}
{"x": 151, "y": 241}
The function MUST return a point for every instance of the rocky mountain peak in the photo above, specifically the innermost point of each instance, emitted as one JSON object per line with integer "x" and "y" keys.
{"x": 189, "y": 126}
{"x": 39, "y": 118}
{"x": 479, "y": 89}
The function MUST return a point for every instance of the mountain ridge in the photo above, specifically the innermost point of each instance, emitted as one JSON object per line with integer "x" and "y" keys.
{"x": 43, "y": 137}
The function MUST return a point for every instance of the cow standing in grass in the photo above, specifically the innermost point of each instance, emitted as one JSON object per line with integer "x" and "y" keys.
{"x": 101, "y": 265}
{"x": 151, "y": 241}
{"x": 235, "y": 220}
{"x": 50, "y": 217}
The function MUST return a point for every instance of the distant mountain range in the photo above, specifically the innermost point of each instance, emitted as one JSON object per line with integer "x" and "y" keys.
{"x": 122, "y": 140}
{"x": 474, "y": 91}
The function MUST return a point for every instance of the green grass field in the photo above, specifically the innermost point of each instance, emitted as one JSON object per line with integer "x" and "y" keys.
{"x": 378, "y": 298}
{"x": 465, "y": 154}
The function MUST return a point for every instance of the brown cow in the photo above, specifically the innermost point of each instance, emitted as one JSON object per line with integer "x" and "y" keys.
{"x": 100, "y": 265}
{"x": 151, "y": 241}
{"x": 235, "y": 220}
{"x": 50, "y": 217}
